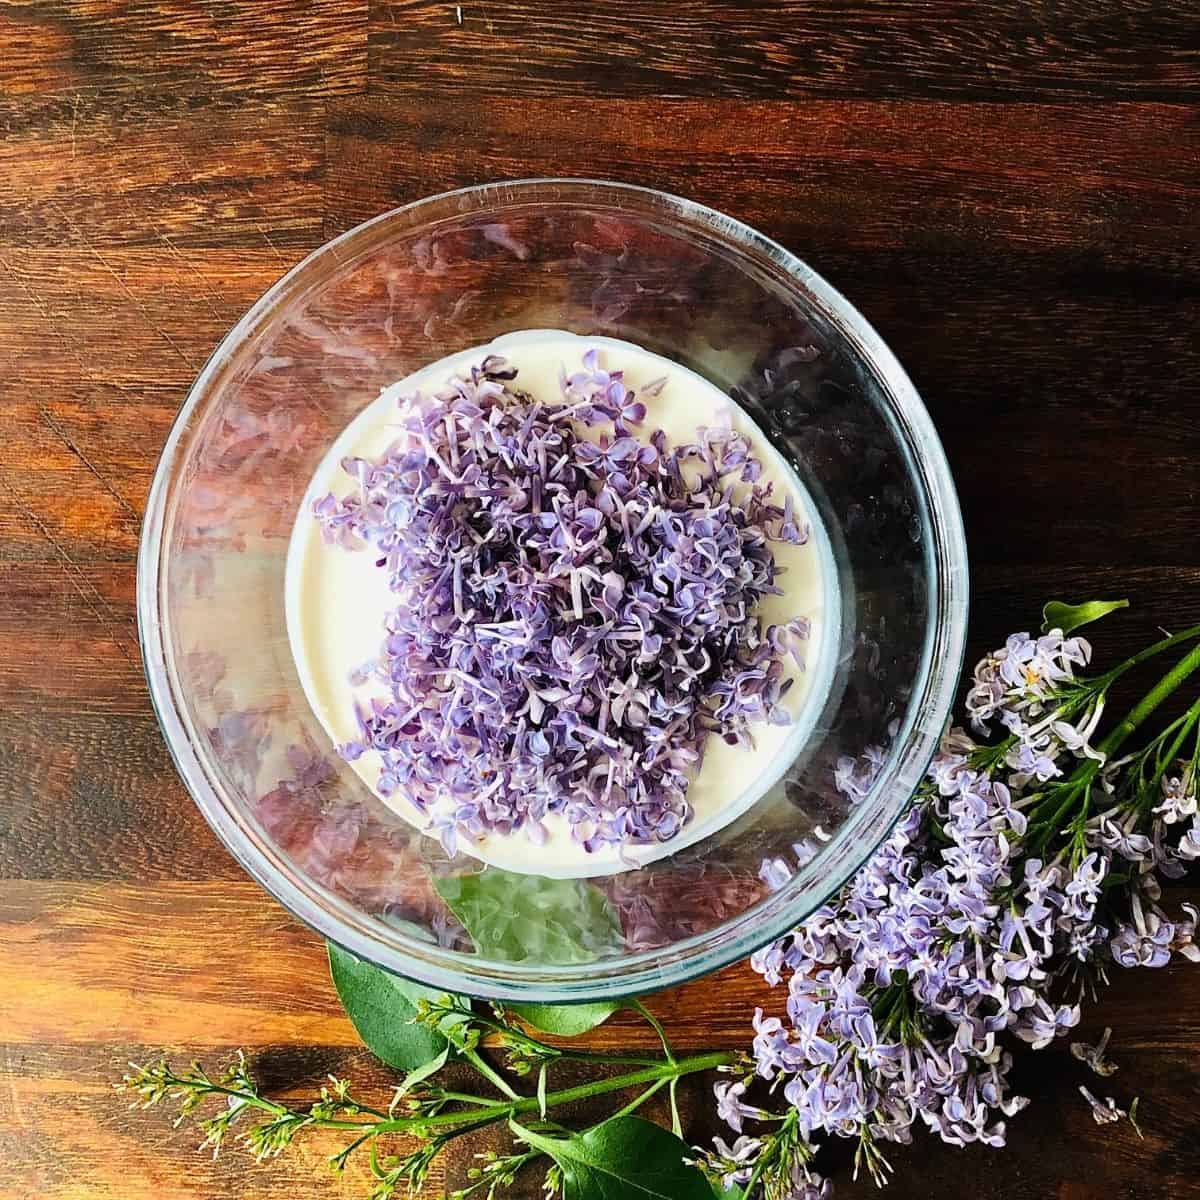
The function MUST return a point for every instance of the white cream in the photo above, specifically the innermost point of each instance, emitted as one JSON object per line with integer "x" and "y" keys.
{"x": 336, "y": 600}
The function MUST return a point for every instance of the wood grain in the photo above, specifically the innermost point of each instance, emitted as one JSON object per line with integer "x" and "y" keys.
{"x": 159, "y": 169}
{"x": 296, "y": 46}
{"x": 77, "y": 954}
{"x": 98, "y": 1152}
{"x": 94, "y": 796}
{"x": 65, "y": 1135}
{"x": 1010, "y": 191}
{"x": 101, "y": 974}
{"x": 1112, "y": 182}
{"x": 96, "y": 605}
{"x": 180, "y": 949}
{"x": 102, "y": 344}
{"x": 791, "y": 48}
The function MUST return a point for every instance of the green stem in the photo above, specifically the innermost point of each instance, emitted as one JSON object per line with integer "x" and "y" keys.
{"x": 1158, "y": 647}
{"x": 770, "y": 1152}
{"x": 1048, "y": 827}
{"x": 583, "y": 1091}
{"x": 891, "y": 1004}
{"x": 342, "y": 1155}
{"x": 1182, "y": 729}
{"x": 545, "y": 1050}
{"x": 456, "y": 1132}
{"x": 1151, "y": 700}
{"x": 490, "y": 1073}
{"x": 657, "y": 1027}
{"x": 1186, "y": 724}
{"x": 490, "y": 1111}
{"x": 626, "y": 1060}
{"x": 215, "y": 1089}
{"x": 512, "y": 1034}
{"x": 637, "y": 1103}
{"x": 515, "y": 1163}
{"x": 374, "y": 1112}
{"x": 496, "y": 1110}
{"x": 1085, "y": 773}
{"x": 469, "y": 1098}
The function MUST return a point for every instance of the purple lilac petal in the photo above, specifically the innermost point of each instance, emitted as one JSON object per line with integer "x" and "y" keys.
{"x": 574, "y": 617}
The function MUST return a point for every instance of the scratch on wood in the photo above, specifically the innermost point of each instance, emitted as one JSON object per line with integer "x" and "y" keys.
{"x": 14, "y": 1094}
{"x": 56, "y": 326}
{"x": 74, "y": 119}
{"x": 57, "y": 429}
{"x": 191, "y": 178}
{"x": 208, "y": 294}
{"x": 266, "y": 237}
{"x": 83, "y": 237}
{"x": 86, "y": 589}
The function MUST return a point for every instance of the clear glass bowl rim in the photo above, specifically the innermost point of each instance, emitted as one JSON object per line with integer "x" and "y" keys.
{"x": 646, "y": 971}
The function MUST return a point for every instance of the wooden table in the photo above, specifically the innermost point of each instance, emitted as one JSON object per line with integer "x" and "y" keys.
{"x": 1009, "y": 191}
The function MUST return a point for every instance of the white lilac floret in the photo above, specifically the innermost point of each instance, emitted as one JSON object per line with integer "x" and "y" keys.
{"x": 575, "y": 606}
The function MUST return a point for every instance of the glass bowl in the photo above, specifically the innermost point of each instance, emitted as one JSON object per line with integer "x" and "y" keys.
{"x": 455, "y": 271}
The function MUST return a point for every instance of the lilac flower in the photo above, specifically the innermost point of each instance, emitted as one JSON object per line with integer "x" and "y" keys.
{"x": 1041, "y": 1022}
{"x": 1077, "y": 738}
{"x": 854, "y": 777}
{"x": 997, "y": 903}
{"x": 1021, "y": 677}
{"x": 735, "y": 1164}
{"x": 811, "y": 1187}
{"x": 1094, "y": 1055}
{"x": 1184, "y": 942}
{"x": 1146, "y": 941}
{"x": 1082, "y": 890}
{"x": 1033, "y": 758}
{"x": 1029, "y": 688}
{"x": 730, "y": 1107}
{"x": 774, "y": 872}
{"x": 1105, "y": 1111}
{"x": 575, "y": 616}
{"x": 1120, "y": 837}
{"x": 1189, "y": 844}
{"x": 1179, "y": 796}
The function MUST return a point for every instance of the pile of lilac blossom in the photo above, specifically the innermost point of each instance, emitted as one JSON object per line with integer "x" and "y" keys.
{"x": 1028, "y": 869}
{"x": 575, "y": 606}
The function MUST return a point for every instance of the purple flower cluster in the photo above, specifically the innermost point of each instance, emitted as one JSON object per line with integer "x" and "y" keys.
{"x": 576, "y": 606}
{"x": 1006, "y": 890}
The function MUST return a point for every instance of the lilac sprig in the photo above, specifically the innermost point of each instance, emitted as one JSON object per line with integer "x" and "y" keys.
{"x": 1001, "y": 901}
{"x": 576, "y": 606}
{"x": 777, "y": 1166}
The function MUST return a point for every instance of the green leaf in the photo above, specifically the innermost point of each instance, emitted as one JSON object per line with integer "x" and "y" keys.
{"x": 382, "y": 1007}
{"x": 421, "y": 1073}
{"x": 1057, "y": 615}
{"x": 566, "y": 1020}
{"x": 410, "y": 927}
{"x": 526, "y": 918}
{"x": 733, "y": 1192}
{"x": 676, "y": 1122}
{"x": 626, "y": 1158}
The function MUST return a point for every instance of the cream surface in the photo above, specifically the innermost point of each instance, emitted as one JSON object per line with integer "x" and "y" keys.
{"x": 337, "y": 600}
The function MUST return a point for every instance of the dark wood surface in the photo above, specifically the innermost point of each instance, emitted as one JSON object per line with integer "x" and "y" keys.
{"x": 1011, "y": 192}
